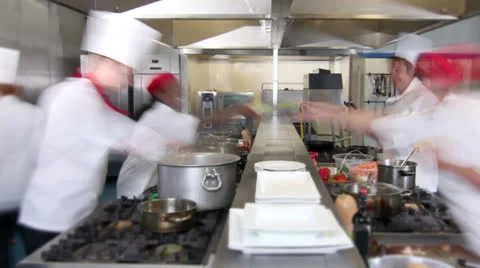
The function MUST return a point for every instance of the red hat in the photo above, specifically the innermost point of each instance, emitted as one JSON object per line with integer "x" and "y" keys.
{"x": 159, "y": 81}
{"x": 451, "y": 65}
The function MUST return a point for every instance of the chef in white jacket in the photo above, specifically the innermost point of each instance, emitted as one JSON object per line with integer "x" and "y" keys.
{"x": 450, "y": 129}
{"x": 137, "y": 173}
{"x": 81, "y": 126}
{"x": 413, "y": 98}
{"x": 19, "y": 124}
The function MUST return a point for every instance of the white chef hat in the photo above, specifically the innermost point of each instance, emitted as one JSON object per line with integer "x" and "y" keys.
{"x": 9, "y": 59}
{"x": 118, "y": 37}
{"x": 410, "y": 46}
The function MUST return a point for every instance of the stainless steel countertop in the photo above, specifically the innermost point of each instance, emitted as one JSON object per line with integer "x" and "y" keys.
{"x": 276, "y": 140}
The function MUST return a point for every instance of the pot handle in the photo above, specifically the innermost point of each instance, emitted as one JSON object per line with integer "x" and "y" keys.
{"x": 406, "y": 173}
{"x": 211, "y": 181}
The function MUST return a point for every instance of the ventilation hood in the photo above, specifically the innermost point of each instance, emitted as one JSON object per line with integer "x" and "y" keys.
{"x": 247, "y": 37}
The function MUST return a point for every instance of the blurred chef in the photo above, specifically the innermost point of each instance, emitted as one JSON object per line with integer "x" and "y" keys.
{"x": 137, "y": 174}
{"x": 18, "y": 148}
{"x": 413, "y": 96}
{"x": 82, "y": 125}
{"x": 450, "y": 129}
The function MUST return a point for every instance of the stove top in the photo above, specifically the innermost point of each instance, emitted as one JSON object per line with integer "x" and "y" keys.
{"x": 114, "y": 234}
{"x": 422, "y": 212}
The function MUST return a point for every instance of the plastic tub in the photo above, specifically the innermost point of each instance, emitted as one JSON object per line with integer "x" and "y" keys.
{"x": 351, "y": 159}
{"x": 362, "y": 173}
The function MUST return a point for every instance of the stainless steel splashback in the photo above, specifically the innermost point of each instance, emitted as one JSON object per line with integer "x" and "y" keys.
{"x": 49, "y": 37}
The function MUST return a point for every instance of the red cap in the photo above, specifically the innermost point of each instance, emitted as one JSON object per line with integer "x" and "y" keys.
{"x": 159, "y": 81}
{"x": 363, "y": 191}
{"x": 451, "y": 65}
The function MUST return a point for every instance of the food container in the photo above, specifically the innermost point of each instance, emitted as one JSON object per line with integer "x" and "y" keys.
{"x": 342, "y": 160}
{"x": 390, "y": 171}
{"x": 363, "y": 172}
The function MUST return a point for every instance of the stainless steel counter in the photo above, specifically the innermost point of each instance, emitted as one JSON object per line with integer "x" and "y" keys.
{"x": 279, "y": 141}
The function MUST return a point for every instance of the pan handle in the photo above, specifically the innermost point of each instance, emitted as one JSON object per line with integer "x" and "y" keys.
{"x": 212, "y": 181}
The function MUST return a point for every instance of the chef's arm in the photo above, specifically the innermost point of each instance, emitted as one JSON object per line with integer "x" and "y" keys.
{"x": 228, "y": 113}
{"x": 469, "y": 174}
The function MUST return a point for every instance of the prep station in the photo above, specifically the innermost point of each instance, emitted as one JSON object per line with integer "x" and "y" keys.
{"x": 274, "y": 141}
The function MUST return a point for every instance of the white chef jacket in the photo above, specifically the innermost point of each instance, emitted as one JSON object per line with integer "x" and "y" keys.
{"x": 137, "y": 174}
{"x": 79, "y": 131}
{"x": 453, "y": 126}
{"x": 415, "y": 99}
{"x": 20, "y": 125}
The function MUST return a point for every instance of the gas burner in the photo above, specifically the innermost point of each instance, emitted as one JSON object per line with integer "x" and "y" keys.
{"x": 114, "y": 234}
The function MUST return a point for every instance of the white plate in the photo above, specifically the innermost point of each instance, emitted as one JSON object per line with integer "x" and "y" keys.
{"x": 236, "y": 235}
{"x": 310, "y": 218}
{"x": 287, "y": 186}
{"x": 279, "y": 165}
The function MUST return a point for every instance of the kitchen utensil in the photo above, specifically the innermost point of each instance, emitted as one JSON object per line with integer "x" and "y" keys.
{"x": 286, "y": 187}
{"x": 384, "y": 200}
{"x": 394, "y": 261}
{"x": 167, "y": 215}
{"x": 206, "y": 178}
{"x": 389, "y": 171}
{"x": 408, "y": 157}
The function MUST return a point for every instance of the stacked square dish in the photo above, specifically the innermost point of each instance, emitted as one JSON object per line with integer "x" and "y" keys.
{"x": 286, "y": 218}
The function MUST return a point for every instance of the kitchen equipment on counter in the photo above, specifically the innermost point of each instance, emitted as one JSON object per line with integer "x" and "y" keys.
{"x": 206, "y": 178}
{"x": 394, "y": 261}
{"x": 389, "y": 171}
{"x": 279, "y": 165}
{"x": 366, "y": 172}
{"x": 294, "y": 187}
{"x": 92, "y": 244}
{"x": 351, "y": 158}
{"x": 408, "y": 157}
{"x": 167, "y": 215}
{"x": 384, "y": 200}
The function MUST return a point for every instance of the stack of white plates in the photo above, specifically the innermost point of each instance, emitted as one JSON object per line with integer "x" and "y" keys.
{"x": 285, "y": 229}
{"x": 279, "y": 165}
{"x": 286, "y": 187}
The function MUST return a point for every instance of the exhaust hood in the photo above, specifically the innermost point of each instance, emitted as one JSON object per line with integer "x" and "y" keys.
{"x": 247, "y": 37}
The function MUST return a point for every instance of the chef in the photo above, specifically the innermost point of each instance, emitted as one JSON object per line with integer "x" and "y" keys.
{"x": 81, "y": 126}
{"x": 449, "y": 129}
{"x": 137, "y": 173}
{"x": 18, "y": 148}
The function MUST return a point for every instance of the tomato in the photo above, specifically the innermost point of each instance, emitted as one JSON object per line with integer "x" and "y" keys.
{"x": 341, "y": 178}
{"x": 324, "y": 173}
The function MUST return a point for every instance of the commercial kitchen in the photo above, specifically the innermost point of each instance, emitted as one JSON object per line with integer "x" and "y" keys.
{"x": 270, "y": 55}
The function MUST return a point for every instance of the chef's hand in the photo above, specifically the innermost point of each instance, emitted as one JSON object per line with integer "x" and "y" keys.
{"x": 248, "y": 111}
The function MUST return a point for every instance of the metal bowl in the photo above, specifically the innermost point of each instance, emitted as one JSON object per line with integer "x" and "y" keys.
{"x": 402, "y": 261}
{"x": 167, "y": 215}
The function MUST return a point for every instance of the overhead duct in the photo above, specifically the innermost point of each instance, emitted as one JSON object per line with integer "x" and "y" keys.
{"x": 203, "y": 9}
{"x": 247, "y": 37}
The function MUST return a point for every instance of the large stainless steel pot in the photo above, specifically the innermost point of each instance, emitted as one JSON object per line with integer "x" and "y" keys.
{"x": 389, "y": 171}
{"x": 206, "y": 178}
{"x": 221, "y": 147}
{"x": 167, "y": 215}
{"x": 384, "y": 200}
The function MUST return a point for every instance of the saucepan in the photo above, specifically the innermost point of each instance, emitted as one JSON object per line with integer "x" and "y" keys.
{"x": 384, "y": 200}
{"x": 167, "y": 215}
